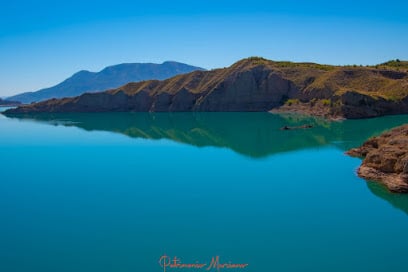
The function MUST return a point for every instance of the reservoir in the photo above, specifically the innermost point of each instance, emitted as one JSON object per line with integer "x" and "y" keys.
{"x": 117, "y": 191}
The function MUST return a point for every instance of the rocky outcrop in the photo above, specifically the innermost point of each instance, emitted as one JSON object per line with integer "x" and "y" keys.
{"x": 386, "y": 159}
{"x": 254, "y": 84}
{"x": 349, "y": 105}
{"x": 356, "y": 105}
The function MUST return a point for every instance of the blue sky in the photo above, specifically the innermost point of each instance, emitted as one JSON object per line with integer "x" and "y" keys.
{"x": 44, "y": 42}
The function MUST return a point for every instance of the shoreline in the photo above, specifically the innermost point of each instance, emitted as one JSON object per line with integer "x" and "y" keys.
{"x": 385, "y": 159}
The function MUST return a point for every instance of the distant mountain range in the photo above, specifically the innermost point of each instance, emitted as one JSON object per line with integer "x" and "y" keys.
{"x": 110, "y": 77}
{"x": 257, "y": 84}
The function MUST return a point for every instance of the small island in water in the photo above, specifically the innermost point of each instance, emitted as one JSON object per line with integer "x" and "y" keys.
{"x": 259, "y": 85}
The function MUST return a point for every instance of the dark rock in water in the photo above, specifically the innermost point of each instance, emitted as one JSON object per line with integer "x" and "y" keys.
{"x": 386, "y": 159}
{"x": 297, "y": 127}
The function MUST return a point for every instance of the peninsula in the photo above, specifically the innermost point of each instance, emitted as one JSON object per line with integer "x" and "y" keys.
{"x": 256, "y": 84}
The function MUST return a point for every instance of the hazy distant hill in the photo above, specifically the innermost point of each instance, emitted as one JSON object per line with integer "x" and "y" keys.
{"x": 8, "y": 103}
{"x": 110, "y": 77}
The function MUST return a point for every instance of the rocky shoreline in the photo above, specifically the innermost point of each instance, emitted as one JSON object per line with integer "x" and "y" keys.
{"x": 317, "y": 109}
{"x": 349, "y": 105}
{"x": 386, "y": 159}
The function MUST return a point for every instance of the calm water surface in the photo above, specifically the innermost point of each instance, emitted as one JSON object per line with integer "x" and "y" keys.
{"x": 114, "y": 192}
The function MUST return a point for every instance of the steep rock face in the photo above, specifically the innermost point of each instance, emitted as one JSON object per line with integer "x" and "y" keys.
{"x": 355, "y": 105}
{"x": 183, "y": 101}
{"x": 253, "y": 90}
{"x": 349, "y": 105}
{"x": 386, "y": 159}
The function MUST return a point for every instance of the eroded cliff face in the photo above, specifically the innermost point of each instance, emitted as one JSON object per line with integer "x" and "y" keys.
{"x": 349, "y": 105}
{"x": 253, "y": 90}
{"x": 386, "y": 159}
{"x": 355, "y": 105}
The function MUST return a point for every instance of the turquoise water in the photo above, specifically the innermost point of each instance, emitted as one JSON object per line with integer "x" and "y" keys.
{"x": 114, "y": 192}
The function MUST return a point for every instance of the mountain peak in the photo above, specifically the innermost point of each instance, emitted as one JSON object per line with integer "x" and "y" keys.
{"x": 171, "y": 62}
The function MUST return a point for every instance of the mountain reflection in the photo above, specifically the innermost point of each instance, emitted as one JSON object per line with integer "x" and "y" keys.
{"x": 251, "y": 134}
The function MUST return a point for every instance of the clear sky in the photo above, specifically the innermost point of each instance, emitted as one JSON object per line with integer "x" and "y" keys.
{"x": 44, "y": 42}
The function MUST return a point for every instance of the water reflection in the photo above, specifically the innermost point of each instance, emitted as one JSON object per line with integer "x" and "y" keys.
{"x": 399, "y": 201}
{"x": 252, "y": 134}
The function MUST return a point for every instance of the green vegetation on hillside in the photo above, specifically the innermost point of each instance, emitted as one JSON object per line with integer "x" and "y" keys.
{"x": 398, "y": 64}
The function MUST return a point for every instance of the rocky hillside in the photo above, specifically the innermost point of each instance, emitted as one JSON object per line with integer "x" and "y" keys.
{"x": 257, "y": 84}
{"x": 110, "y": 77}
{"x": 386, "y": 159}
